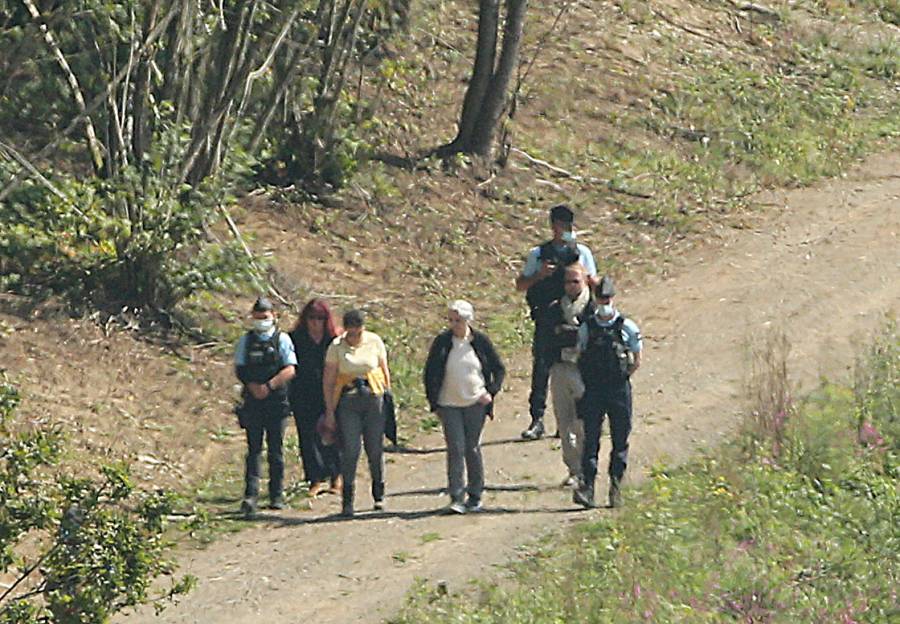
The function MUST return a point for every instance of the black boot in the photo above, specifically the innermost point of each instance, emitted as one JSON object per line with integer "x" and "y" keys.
{"x": 347, "y": 501}
{"x": 584, "y": 495}
{"x": 378, "y": 494}
{"x": 615, "y": 494}
{"x": 535, "y": 431}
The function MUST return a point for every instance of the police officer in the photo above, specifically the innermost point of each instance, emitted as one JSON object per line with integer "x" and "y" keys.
{"x": 610, "y": 347}
{"x": 563, "y": 320}
{"x": 264, "y": 362}
{"x": 542, "y": 281}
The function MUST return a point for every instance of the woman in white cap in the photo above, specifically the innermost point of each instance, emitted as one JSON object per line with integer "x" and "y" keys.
{"x": 463, "y": 374}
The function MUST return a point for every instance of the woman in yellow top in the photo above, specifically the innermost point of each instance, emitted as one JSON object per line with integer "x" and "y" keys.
{"x": 355, "y": 380}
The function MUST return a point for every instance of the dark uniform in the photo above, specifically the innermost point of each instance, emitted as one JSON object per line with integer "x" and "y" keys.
{"x": 605, "y": 366}
{"x": 540, "y": 295}
{"x": 258, "y": 358}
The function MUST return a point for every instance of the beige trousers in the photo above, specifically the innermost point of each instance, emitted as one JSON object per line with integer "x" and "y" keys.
{"x": 566, "y": 387}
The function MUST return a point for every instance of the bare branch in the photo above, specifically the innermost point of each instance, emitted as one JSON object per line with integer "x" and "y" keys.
{"x": 93, "y": 143}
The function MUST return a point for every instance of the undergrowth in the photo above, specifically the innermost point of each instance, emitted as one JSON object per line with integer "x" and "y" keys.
{"x": 801, "y": 531}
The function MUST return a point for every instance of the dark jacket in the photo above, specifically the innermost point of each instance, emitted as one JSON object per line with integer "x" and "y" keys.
{"x": 436, "y": 365}
{"x": 305, "y": 391}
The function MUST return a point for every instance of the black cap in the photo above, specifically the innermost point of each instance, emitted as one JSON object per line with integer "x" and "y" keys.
{"x": 605, "y": 288}
{"x": 562, "y": 213}
{"x": 354, "y": 318}
{"x": 262, "y": 304}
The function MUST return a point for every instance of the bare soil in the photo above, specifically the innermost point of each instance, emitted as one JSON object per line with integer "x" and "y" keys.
{"x": 824, "y": 267}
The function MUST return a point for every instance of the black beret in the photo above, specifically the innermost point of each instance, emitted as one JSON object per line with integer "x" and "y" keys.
{"x": 605, "y": 288}
{"x": 262, "y": 304}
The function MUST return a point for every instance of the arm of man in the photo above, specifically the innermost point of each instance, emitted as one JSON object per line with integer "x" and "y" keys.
{"x": 634, "y": 342}
{"x": 590, "y": 266}
{"x": 533, "y": 271}
{"x": 282, "y": 377}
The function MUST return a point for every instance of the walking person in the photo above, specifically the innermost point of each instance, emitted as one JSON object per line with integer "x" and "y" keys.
{"x": 542, "y": 281}
{"x": 610, "y": 354}
{"x": 355, "y": 380}
{"x": 313, "y": 334}
{"x": 264, "y": 362}
{"x": 564, "y": 318}
{"x": 463, "y": 374}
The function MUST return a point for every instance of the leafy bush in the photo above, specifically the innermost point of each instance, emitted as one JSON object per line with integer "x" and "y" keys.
{"x": 128, "y": 240}
{"x": 80, "y": 548}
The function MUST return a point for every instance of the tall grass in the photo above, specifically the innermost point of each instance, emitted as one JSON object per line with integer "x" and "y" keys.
{"x": 801, "y": 531}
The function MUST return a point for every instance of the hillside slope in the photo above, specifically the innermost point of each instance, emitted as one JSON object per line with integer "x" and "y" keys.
{"x": 825, "y": 272}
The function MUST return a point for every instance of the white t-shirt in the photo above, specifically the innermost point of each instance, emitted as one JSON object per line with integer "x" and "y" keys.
{"x": 463, "y": 380}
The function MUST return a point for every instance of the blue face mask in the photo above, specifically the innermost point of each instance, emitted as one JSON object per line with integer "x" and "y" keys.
{"x": 606, "y": 310}
{"x": 569, "y": 237}
{"x": 262, "y": 326}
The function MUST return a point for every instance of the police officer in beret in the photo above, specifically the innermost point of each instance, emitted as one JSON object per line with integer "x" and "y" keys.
{"x": 542, "y": 280}
{"x": 610, "y": 345}
{"x": 264, "y": 362}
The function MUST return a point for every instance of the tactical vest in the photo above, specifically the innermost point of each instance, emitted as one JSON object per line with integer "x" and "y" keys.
{"x": 263, "y": 358}
{"x": 561, "y": 335}
{"x": 606, "y": 357}
{"x": 551, "y": 288}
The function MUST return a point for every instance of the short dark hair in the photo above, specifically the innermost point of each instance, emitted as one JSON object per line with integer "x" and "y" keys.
{"x": 562, "y": 213}
{"x": 354, "y": 318}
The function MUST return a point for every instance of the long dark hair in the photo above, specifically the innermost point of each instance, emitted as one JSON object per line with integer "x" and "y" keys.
{"x": 319, "y": 307}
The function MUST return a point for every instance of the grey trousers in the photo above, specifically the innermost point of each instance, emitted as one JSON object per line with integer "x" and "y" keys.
{"x": 361, "y": 417}
{"x": 566, "y": 387}
{"x": 462, "y": 432}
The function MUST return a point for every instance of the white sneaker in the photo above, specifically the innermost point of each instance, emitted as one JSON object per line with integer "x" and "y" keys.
{"x": 457, "y": 507}
{"x": 570, "y": 481}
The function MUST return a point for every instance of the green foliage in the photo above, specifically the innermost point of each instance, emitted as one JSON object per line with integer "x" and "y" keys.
{"x": 127, "y": 240}
{"x": 80, "y": 548}
{"x": 804, "y": 534}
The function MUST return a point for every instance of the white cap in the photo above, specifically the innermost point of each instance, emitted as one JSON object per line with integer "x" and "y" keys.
{"x": 463, "y": 308}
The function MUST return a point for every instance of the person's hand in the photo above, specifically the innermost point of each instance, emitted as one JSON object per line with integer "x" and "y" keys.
{"x": 547, "y": 269}
{"x": 485, "y": 399}
{"x": 259, "y": 391}
{"x": 330, "y": 420}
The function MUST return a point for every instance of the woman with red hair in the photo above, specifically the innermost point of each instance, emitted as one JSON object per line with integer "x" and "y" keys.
{"x": 312, "y": 336}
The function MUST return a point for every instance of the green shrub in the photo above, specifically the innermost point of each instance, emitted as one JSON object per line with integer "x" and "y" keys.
{"x": 129, "y": 241}
{"x": 80, "y": 549}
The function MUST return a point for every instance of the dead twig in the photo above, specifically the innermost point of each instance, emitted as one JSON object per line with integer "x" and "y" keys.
{"x": 253, "y": 264}
{"x": 578, "y": 178}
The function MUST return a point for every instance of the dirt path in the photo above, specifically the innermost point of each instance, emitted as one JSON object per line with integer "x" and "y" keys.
{"x": 826, "y": 269}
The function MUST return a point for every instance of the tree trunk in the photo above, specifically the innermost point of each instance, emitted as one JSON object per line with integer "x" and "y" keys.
{"x": 486, "y": 96}
{"x": 485, "y": 53}
{"x": 495, "y": 98}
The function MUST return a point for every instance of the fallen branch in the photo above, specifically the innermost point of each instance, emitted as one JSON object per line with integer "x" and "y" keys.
{"x": 253, "y": 264}
{"x": 578, "y": 178}
{"x": 690, "y": 30}
{"x": 761, "y": 9}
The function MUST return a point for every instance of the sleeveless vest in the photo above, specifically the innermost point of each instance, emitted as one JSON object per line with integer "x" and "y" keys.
{"x": 606, "y": 357}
